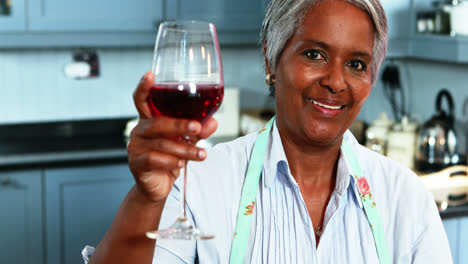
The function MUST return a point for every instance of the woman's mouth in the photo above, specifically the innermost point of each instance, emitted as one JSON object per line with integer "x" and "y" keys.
{"x": 331, "y": 107}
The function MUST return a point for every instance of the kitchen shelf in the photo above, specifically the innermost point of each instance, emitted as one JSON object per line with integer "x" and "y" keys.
{"x": 398, "y": 48}
{"x": 439, "y": 48}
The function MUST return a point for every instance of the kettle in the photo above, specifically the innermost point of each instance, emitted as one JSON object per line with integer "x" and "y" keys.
{"x": 437, "y": 141}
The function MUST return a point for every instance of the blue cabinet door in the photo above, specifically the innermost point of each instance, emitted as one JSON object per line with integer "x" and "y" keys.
{"x": 463, "y": 241}
{"x": 21, "y": 233}
{"x": 457, "y": 233}
{"x": 452, "y": 230}
{"x": 15, "y": 21}
{"x": 81, "y": 203}
{"x": 92, "y": 15}
{"x": 236, "y": 21}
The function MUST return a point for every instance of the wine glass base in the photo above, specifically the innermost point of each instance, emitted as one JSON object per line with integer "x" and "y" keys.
{"x": 181, "y": 230}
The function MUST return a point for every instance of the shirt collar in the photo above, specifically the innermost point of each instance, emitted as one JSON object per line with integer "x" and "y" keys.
{"x": 352, "y": 183}
{"x": 275, "y": 156}
{"x": 345, "y": 179}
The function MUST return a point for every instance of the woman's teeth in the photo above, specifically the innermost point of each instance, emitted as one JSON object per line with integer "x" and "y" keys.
{"x": 325, "y": 106}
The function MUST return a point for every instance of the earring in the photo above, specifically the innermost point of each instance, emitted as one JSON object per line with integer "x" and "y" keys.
{"x": 270, "y": 79}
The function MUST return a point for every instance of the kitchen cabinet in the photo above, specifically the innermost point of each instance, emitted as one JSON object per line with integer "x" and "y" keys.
{"x": 107, "y": 23}
{"x": 451, "y": 229}
{"x": 404, "y": 42}
{"x": 81, "y": 203}
{"x": 463, "y": 241}
{"x": 65, "y": 23}
{"x": 457, "y": 233}
{"x": 435, "y": 47}
{"x": 91, "y": 15}
{"x": 15, "y": 20}
{"x": 21, "y": 229}
{"x": 117, "y": 23}
{"x": 236, "y": 21}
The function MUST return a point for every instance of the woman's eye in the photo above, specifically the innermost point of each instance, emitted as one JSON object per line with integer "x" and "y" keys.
{"x": 358, "y": 65}
{"x": 314, "y": 55}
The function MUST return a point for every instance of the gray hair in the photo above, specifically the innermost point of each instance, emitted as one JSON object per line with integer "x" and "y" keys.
{"x": 282, "y": 17}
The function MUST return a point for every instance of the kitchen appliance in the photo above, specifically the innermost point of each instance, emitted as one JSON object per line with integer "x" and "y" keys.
{"x": 402, "y": 142}
{"x": 393, "y": 90}
{"x": 358, "y": 129}
{"x": 447, "y": 17}
{"x": 377, "y": 134}
{"x": 437, "y": 142}
{"x": 461, "y": 127}
{"x": 228, "y": 114}
{"x": 439, "y": 17}
{"x": 449, "y": 186}
{"x": 459, "y": 19}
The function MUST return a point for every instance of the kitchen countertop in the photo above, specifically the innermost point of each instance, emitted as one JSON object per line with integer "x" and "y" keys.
{"x": 46, "y": 144}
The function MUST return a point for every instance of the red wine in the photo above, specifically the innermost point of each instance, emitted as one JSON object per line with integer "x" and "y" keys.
{"x": 183, "y": 100}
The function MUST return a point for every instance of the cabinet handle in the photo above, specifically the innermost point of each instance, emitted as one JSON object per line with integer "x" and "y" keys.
{"x": 9, "y": 183}
{"x": 5, "y": 182}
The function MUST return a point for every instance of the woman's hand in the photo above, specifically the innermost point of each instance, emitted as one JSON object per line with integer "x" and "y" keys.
{"x": 156, "y": 153}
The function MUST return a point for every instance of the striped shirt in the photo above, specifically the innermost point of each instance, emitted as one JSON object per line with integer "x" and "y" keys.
{"x": 281, "y": 230}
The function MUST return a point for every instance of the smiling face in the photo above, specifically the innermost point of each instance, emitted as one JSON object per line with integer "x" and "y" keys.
{"x": 323, "y": 75}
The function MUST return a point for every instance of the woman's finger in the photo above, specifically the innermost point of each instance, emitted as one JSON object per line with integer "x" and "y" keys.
{"x": 179, "y": 149}
{"x": 167, "y": 127}
{"x": 149, "y": 161}
{"x": 209, "y": 127}
{"x": 140, "y": 95}
{"x": 176, "y": 149}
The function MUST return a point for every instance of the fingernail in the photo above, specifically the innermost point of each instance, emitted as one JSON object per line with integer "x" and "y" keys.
{"x": 201, "y": 154}
{"x": 193, "y": 127}
{"x": 181, "y": 163}
{"x": 145, "y": 77}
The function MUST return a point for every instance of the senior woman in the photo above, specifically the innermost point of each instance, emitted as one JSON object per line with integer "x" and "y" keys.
{"x": 321, "y": 197}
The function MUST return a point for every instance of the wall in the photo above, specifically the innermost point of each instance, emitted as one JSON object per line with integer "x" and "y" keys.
{"x": 421, "y": 81}
{"x": 34, "y": 88}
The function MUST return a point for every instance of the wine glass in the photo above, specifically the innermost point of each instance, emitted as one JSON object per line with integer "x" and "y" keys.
{"x": 188, "y": 84}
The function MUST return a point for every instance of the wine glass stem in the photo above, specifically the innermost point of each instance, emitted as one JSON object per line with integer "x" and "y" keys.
{"x": 185, "y": 190}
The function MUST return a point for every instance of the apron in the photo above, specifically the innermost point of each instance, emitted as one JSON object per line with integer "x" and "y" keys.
{"x": 249, "y": 194}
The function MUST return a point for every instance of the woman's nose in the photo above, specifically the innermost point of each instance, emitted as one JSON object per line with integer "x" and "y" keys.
{"x": 333, "y": 79}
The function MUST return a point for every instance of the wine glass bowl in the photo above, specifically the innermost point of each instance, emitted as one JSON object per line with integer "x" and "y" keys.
{"x": 186, "y": 100}
{"x": 188, "y": 83}
{"x": 188, "y": 73}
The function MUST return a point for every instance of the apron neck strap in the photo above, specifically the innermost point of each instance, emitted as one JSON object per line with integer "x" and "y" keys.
{"x": 250, "y": 188}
